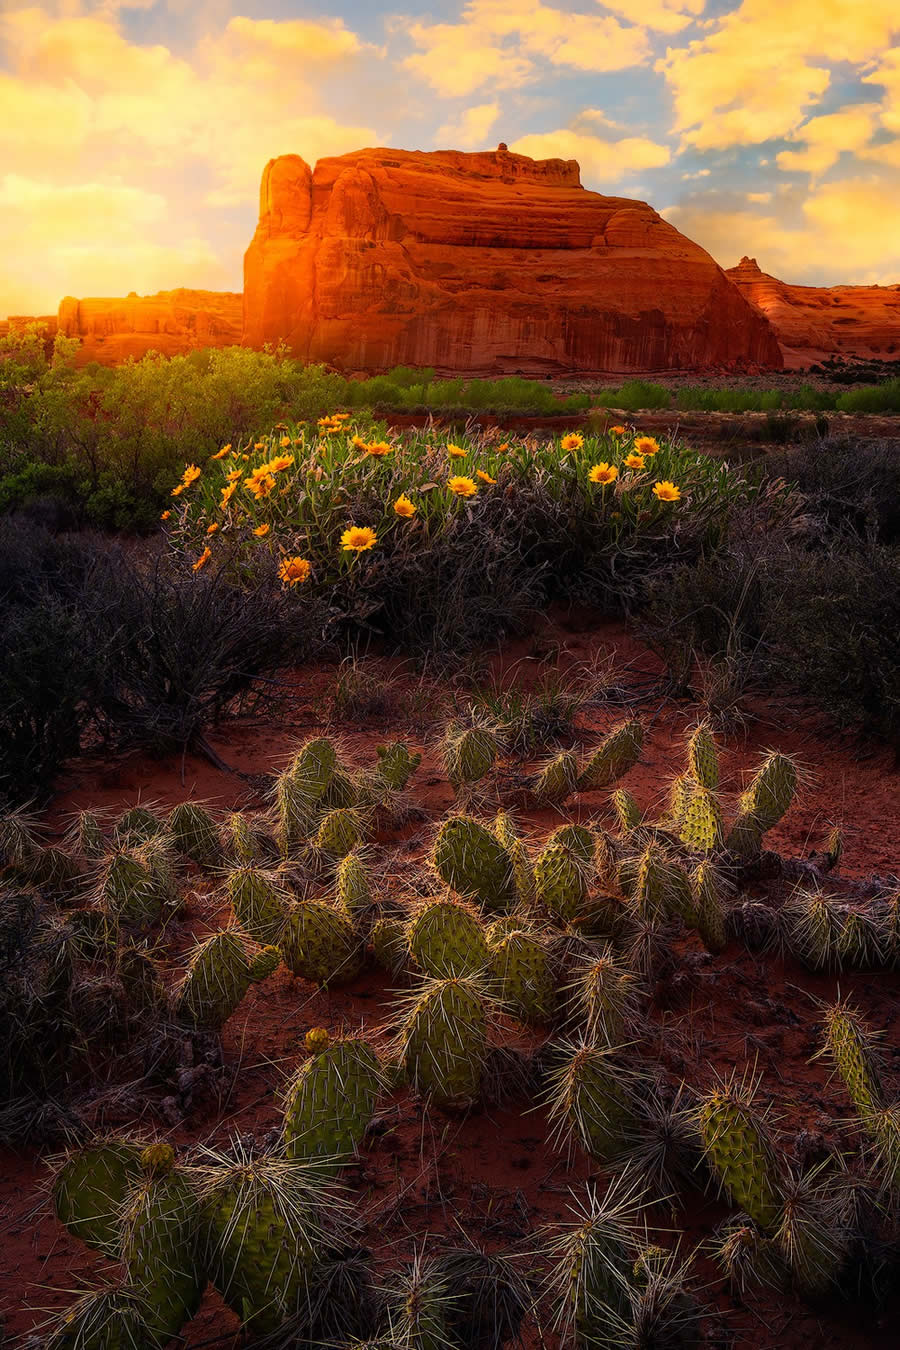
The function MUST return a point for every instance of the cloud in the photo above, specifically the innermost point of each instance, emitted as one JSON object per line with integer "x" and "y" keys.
{"x": 755, "y": 76}
{"x": 666, "y": 16}
{"x": 828, "y": 136}
{"x": 470, "y": 129}
{"x": 602, "y": 160}
{"x": 844, "y": 232}
{"x": 92, "y": 239}
{"x": 503, "y": 41}
{"x": 84, "y": 110}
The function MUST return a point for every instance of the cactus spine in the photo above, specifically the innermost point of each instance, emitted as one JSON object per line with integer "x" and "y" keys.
{"x": 330, "y": 1101}
{"x": 618, "y": 752}
{"x": 443, "y": 1041}
{"x": 446, "y": 939}
{"x": 740, "y": 1151}
{"x": 470, "y": 860}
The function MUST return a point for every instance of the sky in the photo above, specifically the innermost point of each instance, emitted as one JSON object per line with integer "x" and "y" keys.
{"x": 133, "y": 133}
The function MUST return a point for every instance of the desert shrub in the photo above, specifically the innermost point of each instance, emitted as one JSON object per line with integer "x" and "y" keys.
{"x": 833, "y": 631}
{"x": 849, "y": 483}
{"x": 180, "y": 647}
{"x": 819, "y": 614}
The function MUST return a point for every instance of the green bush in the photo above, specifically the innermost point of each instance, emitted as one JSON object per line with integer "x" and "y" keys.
{"x": 878, "y": 398}
{"x": 633, "y": 395}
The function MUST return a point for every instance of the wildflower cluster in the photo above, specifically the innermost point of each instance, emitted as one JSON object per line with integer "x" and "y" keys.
{"x": 320, "y": 497}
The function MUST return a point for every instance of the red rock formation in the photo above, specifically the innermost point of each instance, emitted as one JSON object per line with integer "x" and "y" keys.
{"x": 813, "y": 322}
{"x": 488, "y": 262}
{"x": 171, "y": 322}
{"x": 16, "y": 322}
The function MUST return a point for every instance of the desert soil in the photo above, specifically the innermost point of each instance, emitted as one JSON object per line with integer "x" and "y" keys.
{"x": 494, "y": 1173}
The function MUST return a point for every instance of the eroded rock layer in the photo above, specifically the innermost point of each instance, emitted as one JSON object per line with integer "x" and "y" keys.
{"x": 487, "y": 262}
{"x": 171, "y": 322}
{"x": 814, "y": 322}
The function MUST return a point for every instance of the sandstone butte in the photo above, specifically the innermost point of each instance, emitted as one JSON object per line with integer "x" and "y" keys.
{"x": 814, "y": 322}
{"x": 488, "y": 262}
{"x": 170, "y": 322}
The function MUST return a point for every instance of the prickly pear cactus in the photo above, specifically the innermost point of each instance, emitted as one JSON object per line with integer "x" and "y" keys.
{"x": 523, "y": 977}
{"x": 263, "y": 1233}
{"x": 194, "y": 833}
{"x": 618, "y": 752}
{"x": 627, "y": 810}
{"x": 445, "y": 938}
{"x": 264, "y": 963}
{"x": 813, "y": 927}
{"x": 90, "y": 1187}
{"x": 217, "y": 978}
{"x": 259, "y": 902}
{"x": 108, "y": 1318}
{"x": 245, "y": 839}
{"x": 352, "y": 887}
{"x": 470, "y": 860}
{"x": 159, "y": 1239}
{"x": 851, "y": 1048}
{"x": 741, "y": 1153}
{"x": 558, "y": 778}
{"x": 340, "y": 831}
{"x": 87, "y": 835}
{"x": 389, "y": 943}
{"x": 135, "y": 826}
{"x": 709, "y": 906}
{"x": 319, "y": 943}
{"x": 703, "y": 758}
{"x": 331, "y": 1100}
{"x": 313, "y": 767}
{"x": 766, "y": 800}
{"x": 468, "y": 754}
{"x": 396, "y": 765}
{"x": 523, "y": 873}
{"x": 443, "y": 1041}
{"x": 420, "y": 1303}
{"x": 127, "y": 891}
{"x": 561, "y": 879}
{"x": 589, "y": 1101}
{"x": 592, "y": 1265}
{"x": 701, "y": 826}
{"x": 603, "y": 998}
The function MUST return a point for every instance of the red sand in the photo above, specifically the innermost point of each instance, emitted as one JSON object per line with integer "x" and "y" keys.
{"x": 494, "y": 1173}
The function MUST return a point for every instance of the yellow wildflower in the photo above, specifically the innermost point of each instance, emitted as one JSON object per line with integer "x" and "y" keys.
{"x": 190, "y": 475}
{"x": 463, "y": 487}
{"x": 211, "y": 529}
{"x": 619, "y": 431}
{"x": 485, "y": 477}
{"x": 278, "y": 463}
{"x": 634, "y": 461}
{"x": 378, "y": 448}
{"x": 501, "y": 449}
{"x": 227, "y": 494}
{"x": 342, "y": 417}
{"x": 646, "y": 445}
{"x": 165, "y": 515}
{"x": 358, "y": 538}
{"x": 177, "y": 491}
{"x": 603, "y": 473}
{"x": 234, "y": 475}
{"x": 666, "y": 491}
{"x": 261, "y": 531}
{"x": 293, "y": 570}
{"x": 285, "y": 442}
{"x": 456, "y": 452}
{"x": 574, "y": 441}
{"x": 360, "y": 442}
{"x": 281, "y": 426}
{"x": 404, "y": 507}
{"x": 222, "y": 453}
{"x": 203, "y": 559}
{"x": 260, "y": 445}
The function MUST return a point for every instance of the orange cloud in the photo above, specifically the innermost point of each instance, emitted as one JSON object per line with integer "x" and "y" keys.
{"x": 827, "y": 137}
{"x": 470, "y": 129}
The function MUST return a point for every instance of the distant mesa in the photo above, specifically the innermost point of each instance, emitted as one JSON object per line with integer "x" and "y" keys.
{"x": 815, "y": 322}
{"x": 483, "y": 263}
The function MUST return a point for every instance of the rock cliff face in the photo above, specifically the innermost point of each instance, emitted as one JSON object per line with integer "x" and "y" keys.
{"x": 812, "y": 322}
{"x": 486, "y": 263}
{"x": 16, "y": 322}
{"x": 170, "y": 322}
